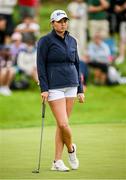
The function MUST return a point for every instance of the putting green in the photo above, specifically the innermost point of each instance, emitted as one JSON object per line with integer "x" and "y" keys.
{"x": 101, "y": 151}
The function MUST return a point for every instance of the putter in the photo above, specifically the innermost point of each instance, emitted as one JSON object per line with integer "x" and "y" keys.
{"x": 39, "y": 159}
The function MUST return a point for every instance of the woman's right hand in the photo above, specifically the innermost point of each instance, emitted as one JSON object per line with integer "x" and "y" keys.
{"x": 44, "y": 95}
{"x": 81, "y": 97}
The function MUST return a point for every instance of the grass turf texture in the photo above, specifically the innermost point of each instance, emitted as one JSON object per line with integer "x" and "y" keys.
{"x": 101, "y": 150}
{"x": 100, "y": 133}
{"x": 102, "y": 105}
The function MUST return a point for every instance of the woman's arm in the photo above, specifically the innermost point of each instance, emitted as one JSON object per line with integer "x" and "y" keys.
{"x": 80, "y": 91}
{"x": 42, "y": 51}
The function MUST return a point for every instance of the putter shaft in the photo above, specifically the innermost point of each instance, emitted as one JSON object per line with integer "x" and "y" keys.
{"x": 42, "y": 126}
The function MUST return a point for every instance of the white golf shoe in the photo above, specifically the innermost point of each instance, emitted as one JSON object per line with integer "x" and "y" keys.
{"x": 59, "y": 166}
{"x": 73, "y": 161}
{"x": 5, "y": 90}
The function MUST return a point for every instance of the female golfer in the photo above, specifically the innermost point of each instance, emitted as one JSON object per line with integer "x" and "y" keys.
{"x": 58, "y": 72}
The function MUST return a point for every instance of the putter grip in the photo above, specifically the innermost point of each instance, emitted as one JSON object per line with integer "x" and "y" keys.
{"x": 43, "y": 109}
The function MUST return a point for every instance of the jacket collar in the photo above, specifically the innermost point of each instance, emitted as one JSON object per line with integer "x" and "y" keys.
{"x": 57, "y": 36}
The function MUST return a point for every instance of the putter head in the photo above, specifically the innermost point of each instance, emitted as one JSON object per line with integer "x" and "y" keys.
{"x": 35, "y": 171}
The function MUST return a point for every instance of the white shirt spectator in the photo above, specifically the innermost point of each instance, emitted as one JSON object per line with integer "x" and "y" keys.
{"x": 6, "y": 6}
{"x": 32, "y": 26}
{"x": 78, "y": 24}
{"x": 78, "y": 11}
{"x": 26, "y": 60}
{"x": 99, "y": 53}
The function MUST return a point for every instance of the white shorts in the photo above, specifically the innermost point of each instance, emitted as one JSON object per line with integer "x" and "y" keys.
{"x": 55, "y": 94}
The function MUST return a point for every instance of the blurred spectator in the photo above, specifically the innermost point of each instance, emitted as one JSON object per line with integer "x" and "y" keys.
{"x": 28, "y": 28}
{"x": 26, "y": 60}
{"x": 17, "y": 45}
{"x": 28, "y": 7}
{"x": 120, "y": 9}
{"x": 98, "y": 57}
{"x": 114, "y": 77}
{"x": 113, "y": 48}
{"x": 2, "y": 30}
{"x": 78, "y": 23}
{"x": 6, "y": 71}
{"x": 112, "y": 18}
{"x": 6, "y": 10}
{"x": 98, "y": 17}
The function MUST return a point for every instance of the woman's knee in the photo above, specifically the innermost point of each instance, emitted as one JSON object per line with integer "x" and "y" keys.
{"x": 63, "y": 125}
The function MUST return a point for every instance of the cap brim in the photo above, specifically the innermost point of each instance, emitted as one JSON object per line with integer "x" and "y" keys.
{"x": 59, "y": 18}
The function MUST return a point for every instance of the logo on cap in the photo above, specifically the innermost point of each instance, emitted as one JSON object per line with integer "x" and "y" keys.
{"x": 59, "y": 13}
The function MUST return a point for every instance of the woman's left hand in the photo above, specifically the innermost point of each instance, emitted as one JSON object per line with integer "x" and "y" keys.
{"x": 81, "y": 97}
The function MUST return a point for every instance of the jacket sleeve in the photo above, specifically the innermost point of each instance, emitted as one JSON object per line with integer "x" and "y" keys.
{"x": 77, "y": 61}
{"x": 42, "y": 51}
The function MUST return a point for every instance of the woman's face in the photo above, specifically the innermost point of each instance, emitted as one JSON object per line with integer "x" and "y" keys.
{"x": 60, "y": 26}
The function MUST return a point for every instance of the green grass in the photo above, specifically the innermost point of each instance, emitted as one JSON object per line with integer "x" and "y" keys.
{"x": 102, "y": 105}
{"x": 101, "y": 151}
{"x": 99, "y": 129}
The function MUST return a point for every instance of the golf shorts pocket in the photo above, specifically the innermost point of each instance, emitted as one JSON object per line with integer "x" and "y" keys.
{"x": 67, "y": 92}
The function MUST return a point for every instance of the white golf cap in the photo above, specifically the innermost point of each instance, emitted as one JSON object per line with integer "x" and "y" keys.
{"x": 57, "y": 15}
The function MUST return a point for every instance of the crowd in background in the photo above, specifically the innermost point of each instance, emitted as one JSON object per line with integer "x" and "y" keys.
{"x": 94, "y": 24}
{"x": 18, "y": 44}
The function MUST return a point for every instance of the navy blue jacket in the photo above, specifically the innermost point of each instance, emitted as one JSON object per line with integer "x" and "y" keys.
{"x": 58, "y": 62}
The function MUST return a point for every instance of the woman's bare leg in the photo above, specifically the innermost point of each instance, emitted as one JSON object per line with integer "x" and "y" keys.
{"x": 63, "y": 133}
{"x": 69, "y": 105}
{"x": 59, "y": 144}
